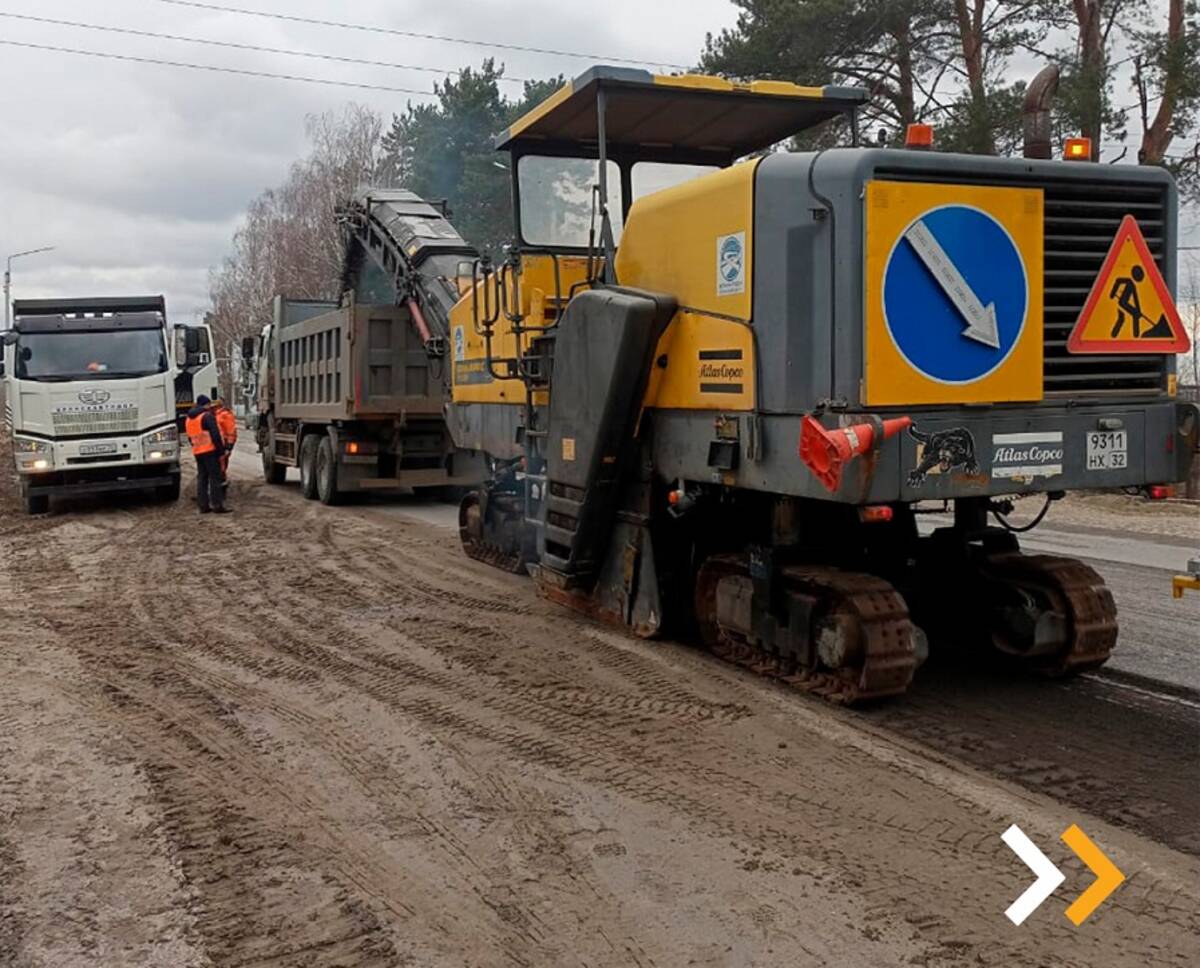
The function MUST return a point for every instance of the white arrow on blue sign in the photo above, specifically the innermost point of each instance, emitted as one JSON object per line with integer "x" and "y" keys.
{"x": 955, "y": 294}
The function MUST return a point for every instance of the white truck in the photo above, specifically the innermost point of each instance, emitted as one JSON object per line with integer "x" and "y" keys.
{"x": 90, "y": 398}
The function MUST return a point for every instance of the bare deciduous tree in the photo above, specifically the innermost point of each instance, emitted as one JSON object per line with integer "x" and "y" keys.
{"x": 289, "y": 241}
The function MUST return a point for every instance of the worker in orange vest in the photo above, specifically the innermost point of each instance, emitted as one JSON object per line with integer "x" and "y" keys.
{"x": 227, "y": 422}
{"x": 208, "y": 447}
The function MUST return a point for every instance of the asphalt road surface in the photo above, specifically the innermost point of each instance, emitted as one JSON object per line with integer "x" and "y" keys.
{"x": 312, "y": 736}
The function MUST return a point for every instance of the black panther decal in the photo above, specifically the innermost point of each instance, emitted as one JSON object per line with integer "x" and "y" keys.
{"x": 947, "y": 450}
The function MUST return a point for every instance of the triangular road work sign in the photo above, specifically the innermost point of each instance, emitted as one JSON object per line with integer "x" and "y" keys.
{"x": 1130, "y": 309}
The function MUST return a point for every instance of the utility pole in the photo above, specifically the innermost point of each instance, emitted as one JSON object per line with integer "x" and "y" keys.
{"x": 8, "y": 280}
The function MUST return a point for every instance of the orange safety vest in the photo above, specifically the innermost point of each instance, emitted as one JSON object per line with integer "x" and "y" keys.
{"x": 201, "y": 439}
{"x": 227, "y": 424}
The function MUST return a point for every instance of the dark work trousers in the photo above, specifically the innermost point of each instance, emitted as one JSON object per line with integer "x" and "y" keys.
{"x": 210, "y": 495}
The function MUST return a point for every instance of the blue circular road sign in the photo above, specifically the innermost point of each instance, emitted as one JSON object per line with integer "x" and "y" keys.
{"x": 955, "y": 294}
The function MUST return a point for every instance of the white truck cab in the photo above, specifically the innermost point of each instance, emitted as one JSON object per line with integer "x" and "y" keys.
{"x": 90, "y": 398}
{"x": 196, "y": 362}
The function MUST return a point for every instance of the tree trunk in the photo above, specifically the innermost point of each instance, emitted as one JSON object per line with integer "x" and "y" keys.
{"x": 905, "y": 102}
{"x": 1157, "y": 137}
{"x": 1089, "y": 16}
{"x": 970, "y": 30}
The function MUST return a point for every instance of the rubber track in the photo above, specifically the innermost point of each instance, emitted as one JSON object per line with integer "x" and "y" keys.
{"x": 880, "y": 610}
{"x": 1080, "y": 592}
{"x": 481, "y": 550}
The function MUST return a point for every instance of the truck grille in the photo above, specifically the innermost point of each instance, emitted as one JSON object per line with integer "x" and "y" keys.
{"x": 119, "y": 420}
{"x": 1081, "y": 221}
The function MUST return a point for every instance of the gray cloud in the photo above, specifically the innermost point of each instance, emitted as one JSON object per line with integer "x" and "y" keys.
{"x": 139, "y": 173}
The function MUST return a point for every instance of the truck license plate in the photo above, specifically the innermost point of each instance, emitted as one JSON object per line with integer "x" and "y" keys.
{"x": 94, "y": 450}
{"x": 1107, "y": 450}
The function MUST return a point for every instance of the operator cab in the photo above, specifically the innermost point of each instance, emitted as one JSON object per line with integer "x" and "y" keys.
{"x": 582, "y": 157}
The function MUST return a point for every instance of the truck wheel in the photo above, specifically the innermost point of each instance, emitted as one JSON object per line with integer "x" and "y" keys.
{"x": 308, "y": 466}
{"x": 168, "y": 493}
{"x": 327, "y": 486}
{"x": 37, "y": 503}
{"x": 272, "y": 473}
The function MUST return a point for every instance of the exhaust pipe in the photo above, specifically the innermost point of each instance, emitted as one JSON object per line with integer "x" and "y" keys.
{"x": 1035, "y": 113}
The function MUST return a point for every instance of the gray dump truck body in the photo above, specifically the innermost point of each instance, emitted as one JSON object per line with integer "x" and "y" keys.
{"x": 349, "y": 395}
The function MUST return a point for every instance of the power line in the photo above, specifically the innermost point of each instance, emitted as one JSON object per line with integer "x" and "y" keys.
{"x": 236, "y": 46}
{"x": 374, "y": 29}
{"x": 214, "y": 69}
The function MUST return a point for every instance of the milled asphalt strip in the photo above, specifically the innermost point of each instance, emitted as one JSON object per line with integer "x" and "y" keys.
{"x": 1139, "y": 552}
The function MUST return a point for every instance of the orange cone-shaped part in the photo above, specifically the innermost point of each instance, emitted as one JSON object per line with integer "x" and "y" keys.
{"x": 826, "y": 452}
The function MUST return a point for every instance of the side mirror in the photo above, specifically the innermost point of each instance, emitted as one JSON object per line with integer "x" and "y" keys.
{"x": 191, "y": 341}
{"x": 1, "y": 369}
{"x": 10, "y": 337}
{"x": 249, "y": 345}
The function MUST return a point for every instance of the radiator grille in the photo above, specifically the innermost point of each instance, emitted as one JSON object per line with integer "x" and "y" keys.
{"x": 109, "y": 420}
{"x": 1081, "y": 220}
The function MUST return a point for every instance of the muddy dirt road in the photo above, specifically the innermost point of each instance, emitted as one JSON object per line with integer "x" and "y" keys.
{"x": 322, "y": 737}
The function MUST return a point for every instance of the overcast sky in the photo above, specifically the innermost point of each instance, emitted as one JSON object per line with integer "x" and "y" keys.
{"x": 139, "y": 173}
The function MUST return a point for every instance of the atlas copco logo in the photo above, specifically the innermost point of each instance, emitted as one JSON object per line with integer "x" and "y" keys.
{"x": 720, "y": 371}
{"x": 1033, "y": 454}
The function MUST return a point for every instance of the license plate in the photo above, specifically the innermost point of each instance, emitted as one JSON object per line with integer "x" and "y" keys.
{"x": 95, "y": 450}
{"x": 1107, "y": 450}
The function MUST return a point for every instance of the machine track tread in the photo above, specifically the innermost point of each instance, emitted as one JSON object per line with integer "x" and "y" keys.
{"x": 1079, "y": 591}
{"x": 489, "y": 554}
{"x": 890, "y": 659}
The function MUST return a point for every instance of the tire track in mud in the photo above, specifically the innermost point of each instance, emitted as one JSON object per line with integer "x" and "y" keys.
{"x": 12, "y": 918}
{"x": 626, "y": 770}
{"x": 615, "y": 773}
{"x": 326, "y": 630}
{"x": 259, "y": 898}
{"x": 517, "y": 925}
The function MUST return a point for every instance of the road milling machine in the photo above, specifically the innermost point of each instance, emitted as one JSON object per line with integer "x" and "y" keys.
{"x": 714, "y": 381}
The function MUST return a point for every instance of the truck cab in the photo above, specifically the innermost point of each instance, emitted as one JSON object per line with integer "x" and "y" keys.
{"x": 196, "y": 367}
{"x": 90, "y": 398}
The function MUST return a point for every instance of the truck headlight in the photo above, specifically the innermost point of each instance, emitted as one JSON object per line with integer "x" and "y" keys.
{"x": 161, "y": 444}
{"x": 32, "y": 454}
{"x": 163, "y": 436}
{"x": 29, "y": 445}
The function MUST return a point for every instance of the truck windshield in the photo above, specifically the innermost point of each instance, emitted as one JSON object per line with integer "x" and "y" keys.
{"x": 96, "y": 355}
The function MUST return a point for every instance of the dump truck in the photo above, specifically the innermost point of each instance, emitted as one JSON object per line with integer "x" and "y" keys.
{"x": 353, "y": 392}
{"x": 346, "y": 394}
{"x": 90, "y": 398}
{"x": 716, "y": 384}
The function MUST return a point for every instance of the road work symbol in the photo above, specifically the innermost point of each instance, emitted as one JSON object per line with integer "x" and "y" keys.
{"x": 1049, "y": 877}
{"x": 1129, "y": 309}
{"x": 955, "y": 294}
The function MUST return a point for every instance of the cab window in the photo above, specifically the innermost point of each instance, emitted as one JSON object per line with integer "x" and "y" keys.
{"x": 556, "y": 200}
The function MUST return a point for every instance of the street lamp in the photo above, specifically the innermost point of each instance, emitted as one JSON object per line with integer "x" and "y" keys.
{"x": 8, "y": 280}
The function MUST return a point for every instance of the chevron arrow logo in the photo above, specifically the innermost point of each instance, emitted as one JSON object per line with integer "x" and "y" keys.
{"x": 1049, "y": 877}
